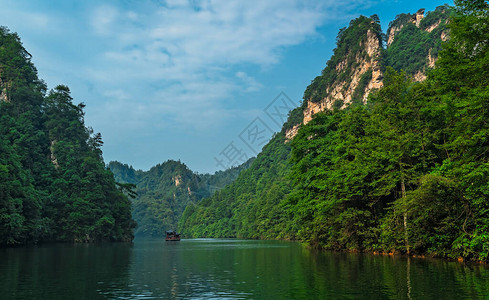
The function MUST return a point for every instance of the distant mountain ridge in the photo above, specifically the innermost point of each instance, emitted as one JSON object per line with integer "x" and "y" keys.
{"x": 165, "y": 190}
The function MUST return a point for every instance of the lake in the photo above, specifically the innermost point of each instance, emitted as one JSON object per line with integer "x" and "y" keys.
{"x": 228, "y": 269}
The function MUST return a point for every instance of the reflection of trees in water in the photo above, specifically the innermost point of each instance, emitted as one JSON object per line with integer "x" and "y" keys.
{"x": 220, "y": 268}
{"x": 408, "y": 277}
{"x": 366, "y": 276}
{"x": 64, "y": 270}
{"x": 270, "y": 269}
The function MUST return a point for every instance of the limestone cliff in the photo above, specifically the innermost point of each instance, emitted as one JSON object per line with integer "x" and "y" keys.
{"x": 414, "y": 41}
{"x": 54, "y": 160}
{"x": 351, "y": 73}
{"x": 355, "y": 69}
{"x": 402, "y": 20}
{"x": 3, "y": 89}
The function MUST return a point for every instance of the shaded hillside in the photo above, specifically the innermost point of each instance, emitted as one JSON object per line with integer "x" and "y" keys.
{"x": 53, "y": 181}
{"x": 164, "y": 191}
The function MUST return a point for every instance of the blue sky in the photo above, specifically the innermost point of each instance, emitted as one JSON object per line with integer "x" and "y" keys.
{"x": 185, "y": 80}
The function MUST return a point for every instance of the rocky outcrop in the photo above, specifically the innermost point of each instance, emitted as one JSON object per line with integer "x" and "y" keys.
{"x": 341, "y": 93}
{"x": 3, "y": 89}
{"x": 414, "y": 41}
{"x": 3, "y": 95}
{"x": 353, "y": 75}
{"x": 419, "y": 76}
{"x": 401, "y": 21}
{"x": 433, "y": 26}
{"x": 177, "y": 180}
{"x": 290, "y": 133}
{"x": 418, "y": 16}
{"x": 391, "y": 33}
{"x": 431, "y": 60}
{"x": 54, "y": 160}
{"x": 311, "y": 109}
{"x": 444, "y": 36}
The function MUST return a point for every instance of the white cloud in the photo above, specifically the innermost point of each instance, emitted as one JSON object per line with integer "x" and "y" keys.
{"x": 188, "y": 49}
{"x": 164, "y": 66}
{"x": 251, "y": 85}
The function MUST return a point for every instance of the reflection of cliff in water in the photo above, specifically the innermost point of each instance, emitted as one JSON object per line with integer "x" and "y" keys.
{"x": 64, "y": 270}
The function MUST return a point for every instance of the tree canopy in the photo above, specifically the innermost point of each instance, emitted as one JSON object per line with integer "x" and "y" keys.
{"x": 53, "y": 181}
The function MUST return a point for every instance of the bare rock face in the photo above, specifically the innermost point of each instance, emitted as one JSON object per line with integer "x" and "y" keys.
{"x": 313, "y": 108}
{"x": 3, "y": 95}
{"x": 177, "y": 179}
{"x": 3, "y": 90}
{"x": 419, "y": 76}
{"x": 418, "y": 16}
{"x": 353, "y": 75}
{"x": 444, "y": 36}
{"x": 392, "y": 33}
{"x": 343, "y": 91}
{"x": 433, "y": 26}
{"x": 54, "y": 160}
{"x": 431, "y": 60}
{"x": 290, "y": 133}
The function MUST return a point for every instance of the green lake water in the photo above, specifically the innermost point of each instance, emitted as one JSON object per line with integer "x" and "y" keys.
{"x": 228, "y": 269}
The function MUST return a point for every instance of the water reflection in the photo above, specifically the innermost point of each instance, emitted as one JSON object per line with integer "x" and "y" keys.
{"x": 51, "y": 271}
{"x": 268, "y": 269}
{"x": 228, "y": 269}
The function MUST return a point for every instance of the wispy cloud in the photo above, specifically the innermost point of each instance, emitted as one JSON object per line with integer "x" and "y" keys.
{"x": 250, "y": 83}
{"x": 189, "y": 48}
{"x": 166, "y": 66}
{"x": 103, "y": 20}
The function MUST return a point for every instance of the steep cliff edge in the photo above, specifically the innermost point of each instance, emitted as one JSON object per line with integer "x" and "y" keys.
{"x": 412, "y": 44}
{"x": 414, "y": 41}
{"x": 353, "y": 70}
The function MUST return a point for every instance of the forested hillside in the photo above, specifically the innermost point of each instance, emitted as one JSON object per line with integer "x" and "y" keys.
{"x": 413, "y": 42}
{"x": 53, "y": 181}
{"x": 251, "y": 206}
{"x": 164, "y": 191}
{"x": 406, "y": 172}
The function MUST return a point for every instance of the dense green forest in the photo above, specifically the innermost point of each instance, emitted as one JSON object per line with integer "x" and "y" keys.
{"x": 251, "y": 206}
{"x": 163, "y": 192}
{"x": 53, "y": 182}
{"x": 408, "y": 172}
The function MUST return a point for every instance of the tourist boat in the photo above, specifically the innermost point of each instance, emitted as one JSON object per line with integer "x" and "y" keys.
{"x": 172, "y": 235}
